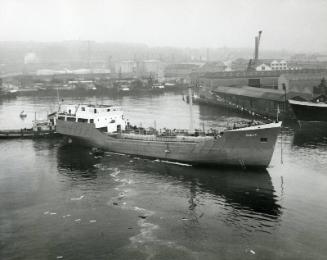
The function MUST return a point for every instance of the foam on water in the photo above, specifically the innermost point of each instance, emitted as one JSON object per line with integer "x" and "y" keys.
{"x": 115, "y": 173}
{"x": 102, "y": 167}
{"x": 78, "y": 198}
{"x": 146, "y": 240}
{"x": 175, "y": 163}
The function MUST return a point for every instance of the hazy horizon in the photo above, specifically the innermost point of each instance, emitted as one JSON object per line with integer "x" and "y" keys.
{"x": 290, "y": 25}
{"x": 247, "y": 48}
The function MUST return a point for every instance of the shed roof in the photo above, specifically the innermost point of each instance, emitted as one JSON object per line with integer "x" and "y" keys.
{"x": 259, "y": 93}
{"x": 268, "y": 61}
{"x": 305, "y": 76}
{"x": 241, "y": 74}
{"x": 182, "y": 66}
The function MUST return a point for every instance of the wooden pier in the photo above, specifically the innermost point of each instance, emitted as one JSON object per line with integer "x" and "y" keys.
{"x": 27, "y": 133}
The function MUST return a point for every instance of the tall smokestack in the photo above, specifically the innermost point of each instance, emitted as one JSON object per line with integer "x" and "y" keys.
{"x": 256, "y": 51}
{"x": 257, "y": 42}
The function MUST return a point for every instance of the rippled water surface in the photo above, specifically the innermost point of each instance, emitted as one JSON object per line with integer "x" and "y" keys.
{"x": 59, "y": 201}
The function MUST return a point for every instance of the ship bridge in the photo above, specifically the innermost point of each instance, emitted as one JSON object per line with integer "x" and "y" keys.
{"x": 105, "y": 117}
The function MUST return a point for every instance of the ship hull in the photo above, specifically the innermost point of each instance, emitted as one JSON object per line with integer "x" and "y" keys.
{"x": 309, "y": 111}
{"x": 247, "y": 148}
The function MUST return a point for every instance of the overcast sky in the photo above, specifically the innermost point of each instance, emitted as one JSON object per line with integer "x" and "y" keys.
{"x": 298, "y": 25}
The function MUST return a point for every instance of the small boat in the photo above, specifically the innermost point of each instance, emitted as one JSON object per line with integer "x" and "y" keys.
{"x": 158, "y": 86}
{"x": 310, "y": 111}
{"x": 105, "y": 127}
{"x": 124, "y": 88}
{"x": 23, "y": 114}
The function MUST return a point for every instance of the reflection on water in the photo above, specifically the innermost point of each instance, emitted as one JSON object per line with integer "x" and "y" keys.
{"x": 76, "y": 161}
{"x": 248, "y": 191}
{"x": 179, "y": 208}
{"x": 312, "y": 135}
{"x": 310, "y": 147}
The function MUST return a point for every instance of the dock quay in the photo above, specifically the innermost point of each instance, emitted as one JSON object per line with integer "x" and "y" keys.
{"x": 26, "y": 133}
{"x": 40, "y": 129}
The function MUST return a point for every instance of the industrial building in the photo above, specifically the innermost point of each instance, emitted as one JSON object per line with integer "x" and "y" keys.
{"x": 125, "y": 67}
{"x": 151, "y": 68}
{"x": 239, "y": 64}
{"x": 271, "y": 64}
{"x": 262, "y": 89}
{"x": 259, "y": 92}
{"x": 144, "y": 68}
{"x": 259, "y": 79}
{"x": 301, "y": 81}
{"x": 256, "y": 101}
{"x": 180, "y": 70}
{"x": 212, "y": 66}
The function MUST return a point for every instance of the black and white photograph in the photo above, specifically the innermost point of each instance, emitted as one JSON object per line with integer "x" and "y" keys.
{"x": 163, "y": 129}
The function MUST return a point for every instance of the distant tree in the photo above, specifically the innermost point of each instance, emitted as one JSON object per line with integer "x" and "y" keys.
{"x": 150, "y": 81}
{"x": 137, "y": 84}
{"x": 321, "y": 88}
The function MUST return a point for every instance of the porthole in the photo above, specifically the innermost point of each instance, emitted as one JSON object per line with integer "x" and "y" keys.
{"x": 263, "y": 140}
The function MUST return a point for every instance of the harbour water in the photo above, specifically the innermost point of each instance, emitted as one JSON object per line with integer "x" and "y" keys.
{"x": 59, "y": 201}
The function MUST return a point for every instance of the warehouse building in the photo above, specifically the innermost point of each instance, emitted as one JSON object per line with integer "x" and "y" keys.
{"x": 259, "y": 79}
{"x": 301, "y": 81}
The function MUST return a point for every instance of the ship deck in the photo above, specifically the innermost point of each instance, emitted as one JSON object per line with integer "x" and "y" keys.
{"x": 162, "y": 138}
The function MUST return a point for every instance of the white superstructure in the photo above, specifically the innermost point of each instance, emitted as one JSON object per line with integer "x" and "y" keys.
{"x": 104, "y": 117}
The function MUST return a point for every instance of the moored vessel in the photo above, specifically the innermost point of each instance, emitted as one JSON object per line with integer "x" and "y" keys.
{"x": 23, "y": 114}
{"x": 103, "y": 126}
{"x": 310, "y": 111}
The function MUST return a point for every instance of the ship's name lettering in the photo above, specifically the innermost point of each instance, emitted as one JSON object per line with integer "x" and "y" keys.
{"x": 249, "y": 135}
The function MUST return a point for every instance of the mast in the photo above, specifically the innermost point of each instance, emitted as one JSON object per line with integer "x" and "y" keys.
{"x": 88, "y": 54}
{"x": 58, "y": 96}
{"x": 191, "y": 110}
{"x": 58, "y": 99}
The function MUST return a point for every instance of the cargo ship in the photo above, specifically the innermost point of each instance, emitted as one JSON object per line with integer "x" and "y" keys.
{"x": 105, "y": 127}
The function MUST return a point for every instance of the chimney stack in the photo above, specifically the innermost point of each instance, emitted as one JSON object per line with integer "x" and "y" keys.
{"x": 257, "y": 42}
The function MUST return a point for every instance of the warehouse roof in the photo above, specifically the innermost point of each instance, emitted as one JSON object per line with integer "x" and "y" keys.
{"x": 183, "y": 66}
{"x": 259, "y": 93}
{"x": 305, "y": 76}
{"x": 241, "y": 74}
